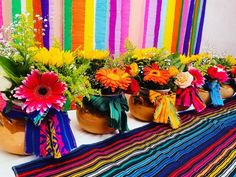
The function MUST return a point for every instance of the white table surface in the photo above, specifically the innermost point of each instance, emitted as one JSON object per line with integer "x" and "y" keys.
{"x": 8, "y": 160}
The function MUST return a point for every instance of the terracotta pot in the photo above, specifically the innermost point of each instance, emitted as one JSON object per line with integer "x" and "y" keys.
{"x": 12, "y": 135}
{"x": 141, "y": 107}
{"x": 205, "y": 96}
{"x": 226, "y": 91}
{"x": 93, "y": 121}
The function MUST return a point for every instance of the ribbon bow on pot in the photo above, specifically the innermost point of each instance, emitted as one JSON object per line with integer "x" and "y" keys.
{"x": 48, "y": 131}
{"x": 217, "y": 74}
{"x": 114, "y": 105}
{"x": 165, "y": 111}
{"x": 187, "y": 93}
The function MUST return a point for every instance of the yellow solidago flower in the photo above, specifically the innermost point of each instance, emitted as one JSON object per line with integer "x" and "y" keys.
{"x": 184, "y": 59}
{"x": 94, "y": 54}
{"x": 231, "y": 60}
{"x": 173, "y": 71}
{"x": 146, "y": 53}
{"x": 54, "y": 56}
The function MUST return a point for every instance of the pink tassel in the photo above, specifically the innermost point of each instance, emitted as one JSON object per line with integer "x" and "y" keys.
{"x": 188, "y": 96}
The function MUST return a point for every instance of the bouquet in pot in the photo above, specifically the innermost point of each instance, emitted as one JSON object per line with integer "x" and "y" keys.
{"x": 188, "y": 83}
{"x": 157, "y": 71}
{"x": 215, "y": 73}
{"x": 39, "y": 86}
{"x": 113, "y": 81}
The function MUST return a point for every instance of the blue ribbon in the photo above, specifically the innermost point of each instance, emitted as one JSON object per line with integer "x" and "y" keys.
{"x": 38, "y": 131}
{"x": 214, "y": 89}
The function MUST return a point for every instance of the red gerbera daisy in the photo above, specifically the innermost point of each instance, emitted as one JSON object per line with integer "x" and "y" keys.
{"x": 41, "y": 92}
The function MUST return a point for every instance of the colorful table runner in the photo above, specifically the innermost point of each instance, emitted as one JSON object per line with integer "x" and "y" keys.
{"x": 203, "y": 146}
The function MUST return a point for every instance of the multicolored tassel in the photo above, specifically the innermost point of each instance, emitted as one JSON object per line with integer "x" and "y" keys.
{"x": 51, "y": 136}
{"x": 188, "y": 96}
{"x": 165, "y": 111}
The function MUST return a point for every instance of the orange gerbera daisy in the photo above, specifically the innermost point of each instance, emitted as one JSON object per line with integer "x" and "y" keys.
{"x": 156, "y": 75}
{"x": 113, "y": 78}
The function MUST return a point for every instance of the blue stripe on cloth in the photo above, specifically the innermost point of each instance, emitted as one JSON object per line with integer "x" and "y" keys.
{"x": 81, "y": 150}
{"x": 185, "y": 157}
{"x": 66, "y": 132}
{"x": 45, "y": 27}
{"x": 159, "y": 152}
{"x": 199, "y": 36}
{"x": 181, "y": 140}
{"x": 101, "y": 19}
{"x": 198, "y": 23}
{"x": 188, "y": 28}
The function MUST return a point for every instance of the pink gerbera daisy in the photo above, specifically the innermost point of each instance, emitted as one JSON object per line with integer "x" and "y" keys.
{"x": 198, "y": 80}
{"x": 41, "y": 92}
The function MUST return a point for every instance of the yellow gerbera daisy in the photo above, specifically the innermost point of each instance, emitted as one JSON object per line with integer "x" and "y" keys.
{"x": 113, "y": 78}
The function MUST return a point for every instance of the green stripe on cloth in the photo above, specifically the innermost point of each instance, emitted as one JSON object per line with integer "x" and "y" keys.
{"x": 16, "y": 8}
{"x": 194, "y": 26}
{"x": 152, "y": 150}
{"x": 67, "y": 24}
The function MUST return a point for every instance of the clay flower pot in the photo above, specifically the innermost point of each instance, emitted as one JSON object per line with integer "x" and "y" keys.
{"x": 93, "y": 121}
{"x": 226, "y": 91}
{"x": 205, "y": 96}
{"x": 141, "y": 107}
{"x": 12, "y": 135}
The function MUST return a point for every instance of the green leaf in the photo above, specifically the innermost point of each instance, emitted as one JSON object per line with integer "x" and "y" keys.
{"x": 9, "y": 67}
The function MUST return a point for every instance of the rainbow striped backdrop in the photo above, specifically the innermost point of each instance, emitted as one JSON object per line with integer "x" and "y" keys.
{"x": 105, "y": 24}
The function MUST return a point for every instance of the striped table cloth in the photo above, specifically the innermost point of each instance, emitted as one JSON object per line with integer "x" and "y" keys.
{"x": 205, "y": 145}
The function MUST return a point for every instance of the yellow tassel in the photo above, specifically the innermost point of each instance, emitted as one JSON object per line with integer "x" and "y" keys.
{"x": 165, "y": 110}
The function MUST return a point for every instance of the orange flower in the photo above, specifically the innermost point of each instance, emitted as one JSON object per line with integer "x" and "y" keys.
{"x": 114, "y": 78}
{"x": 156, "y": 75}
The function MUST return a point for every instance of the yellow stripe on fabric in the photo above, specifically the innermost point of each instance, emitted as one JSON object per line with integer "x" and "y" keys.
{"x": 89, "y": 25}
{"x": 214, "y": 162}
{"x": 222, "y": 166}
{"x": 169, "y": 26}
{"x": 29, "y": 8}
{"x": 119, "y": 154}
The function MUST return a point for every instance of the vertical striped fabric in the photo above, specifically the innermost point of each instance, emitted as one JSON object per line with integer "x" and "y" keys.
{"x": 203, "y": 146}
{"x": 176, "y": 25}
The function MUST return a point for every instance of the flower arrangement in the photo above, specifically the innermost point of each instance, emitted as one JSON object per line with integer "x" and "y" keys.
{"x": 40, "y": 85}
{"x": 187, "y": 93}
{"x": 157, "y": 71}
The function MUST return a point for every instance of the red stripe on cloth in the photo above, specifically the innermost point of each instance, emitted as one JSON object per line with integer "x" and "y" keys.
{"x": 96, "y": 152}
{"x": 38, "y": 23}
{"x": 205, "y": 157}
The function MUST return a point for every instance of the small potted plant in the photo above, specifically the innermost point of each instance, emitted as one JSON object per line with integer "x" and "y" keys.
{"x": 104, "y": 112}
{"x": 42, "y": 83}
{"x": 157, "y": 70}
